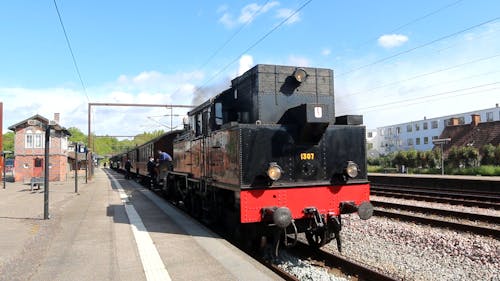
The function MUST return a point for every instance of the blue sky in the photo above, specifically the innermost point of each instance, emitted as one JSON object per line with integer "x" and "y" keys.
{"x": 394, "y": 61}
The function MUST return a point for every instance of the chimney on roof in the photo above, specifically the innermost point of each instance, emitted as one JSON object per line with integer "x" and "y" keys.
{"x": 476, "y": 118}
{"x": 56, "y": 117}
{"x": 454, "y": 121}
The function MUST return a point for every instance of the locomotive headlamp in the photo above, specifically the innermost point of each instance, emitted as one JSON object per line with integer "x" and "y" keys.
{"x": 352, "y": 169}
{"x": 274, "y": 171}
{"x": 300, "y": 75}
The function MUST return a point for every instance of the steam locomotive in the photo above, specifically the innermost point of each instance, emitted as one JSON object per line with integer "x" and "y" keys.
{"x": 267, "y": 159}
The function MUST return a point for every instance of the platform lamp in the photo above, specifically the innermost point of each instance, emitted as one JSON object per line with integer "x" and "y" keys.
{"x": 4, "y": 155}
{"x": 441, "y": 142}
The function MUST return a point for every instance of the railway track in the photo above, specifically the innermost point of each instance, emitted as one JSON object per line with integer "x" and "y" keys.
{"x": 429, "y": 198}
{"x": 337, "y": 263}
{"x": 457, "y": 197}
{"x": 462, "y": 221}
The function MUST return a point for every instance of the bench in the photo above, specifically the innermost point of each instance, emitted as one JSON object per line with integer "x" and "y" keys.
{"x": 38, "y": 181}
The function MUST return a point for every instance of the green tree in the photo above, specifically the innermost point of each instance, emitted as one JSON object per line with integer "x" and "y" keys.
{"x": 412, "y": 157}
{"x": 497, "y": 155}
{"x": 77, "y": 135}
{"x": 8, "y": 141}
{"x": 488, "y": 154}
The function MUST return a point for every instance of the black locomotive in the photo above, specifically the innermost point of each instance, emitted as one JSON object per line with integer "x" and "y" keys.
{"x": 268, "y": 156}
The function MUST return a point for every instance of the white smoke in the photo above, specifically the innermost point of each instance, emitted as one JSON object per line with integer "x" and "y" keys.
{"x": 246, "y": 62}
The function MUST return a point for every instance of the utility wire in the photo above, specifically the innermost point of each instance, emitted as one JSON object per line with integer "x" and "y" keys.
{"x": 421, "y": 75}
{"x": 373, "y": 107}
{"x": 255, "y": 13}
{"x": 74, "y": 62}
{"x": 256, "y": 43}
{"x": 418, "y": 47}
{"x": 217, "y": 51}
{"x": 71, "y": 51}
{"x": 415, "y": 20}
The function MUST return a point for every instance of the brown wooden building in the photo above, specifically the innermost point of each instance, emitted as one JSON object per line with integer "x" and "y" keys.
{"x": 29, "y": 149}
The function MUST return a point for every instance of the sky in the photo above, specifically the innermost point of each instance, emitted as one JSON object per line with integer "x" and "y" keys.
{"x": 393, "y": 61}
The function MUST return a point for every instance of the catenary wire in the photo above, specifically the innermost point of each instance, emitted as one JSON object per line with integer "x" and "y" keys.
{"x": 255, "y": 43}
{"x": 423, "y": 75}
{"x": 71, "y": 51}
{"x": 417, "y": 47}
{"x": 221, "y": 47}
{"x": 414, "y": 21}
{"x": 389, "y": 104}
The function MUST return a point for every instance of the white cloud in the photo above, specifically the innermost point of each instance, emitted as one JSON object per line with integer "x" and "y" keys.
{"x": 148, "y": 87}
{"x": 246, "y": 62}
{"x": 326, "y": 52}
{"x": 392, "y": 40}
{"x": 423, "y": 83}
{"x": 247, "y": 13}
{"x": 227, "y": 20}
{"x": 285, "y": 13}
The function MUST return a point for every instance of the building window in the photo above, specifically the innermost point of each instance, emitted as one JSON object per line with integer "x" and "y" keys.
{"x": 410, "y": 141}
{"x": 417, "y": 127}
{"x": 38, "y": 137}
{"x": 398, "y": 130}
{"x": 434, "y": 124}
{"x": 417, "y": 141}
{"x": 434, "y": 137}
{"x": 426, "y": 140}
{"x": 425, "y": 126}
{"x": 28, "y": 141}
{"x": 408, "y": 128}
{"x": 370, "y": 134}
{"x": 489, "y": 116}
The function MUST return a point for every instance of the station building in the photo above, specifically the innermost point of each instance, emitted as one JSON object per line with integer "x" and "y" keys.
{"x": 29, "y": 149}
{"x": 418, "y": 135}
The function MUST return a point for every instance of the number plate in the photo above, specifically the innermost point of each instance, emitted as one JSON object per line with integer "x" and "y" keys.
{"x": 307, "y": 156}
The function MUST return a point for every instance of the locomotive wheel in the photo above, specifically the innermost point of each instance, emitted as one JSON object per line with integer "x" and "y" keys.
{"x": 317, "y": 239}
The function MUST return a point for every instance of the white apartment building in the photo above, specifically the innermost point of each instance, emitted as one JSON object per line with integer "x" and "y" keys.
{"x": 419, "y": 134}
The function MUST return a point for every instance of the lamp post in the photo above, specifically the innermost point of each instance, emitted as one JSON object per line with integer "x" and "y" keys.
{"x": 441, "y": 142}
{"x": 51, "y": 125}
{"x": 46, "y": 174}
{"x": 76, "y": 167}
{"x": 4, "y": 153}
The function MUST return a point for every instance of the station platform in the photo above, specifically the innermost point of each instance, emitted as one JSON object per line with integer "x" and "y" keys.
{"x": 111, "y": 229}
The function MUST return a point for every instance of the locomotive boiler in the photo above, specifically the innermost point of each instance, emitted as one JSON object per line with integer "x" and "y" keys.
{"x": 268, "y": 157}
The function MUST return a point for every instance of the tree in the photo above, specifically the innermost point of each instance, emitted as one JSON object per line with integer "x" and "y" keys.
{"x": 77, "y": 135}
{"x": 8, "y": 141}
{"x": 488, "y": 154}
